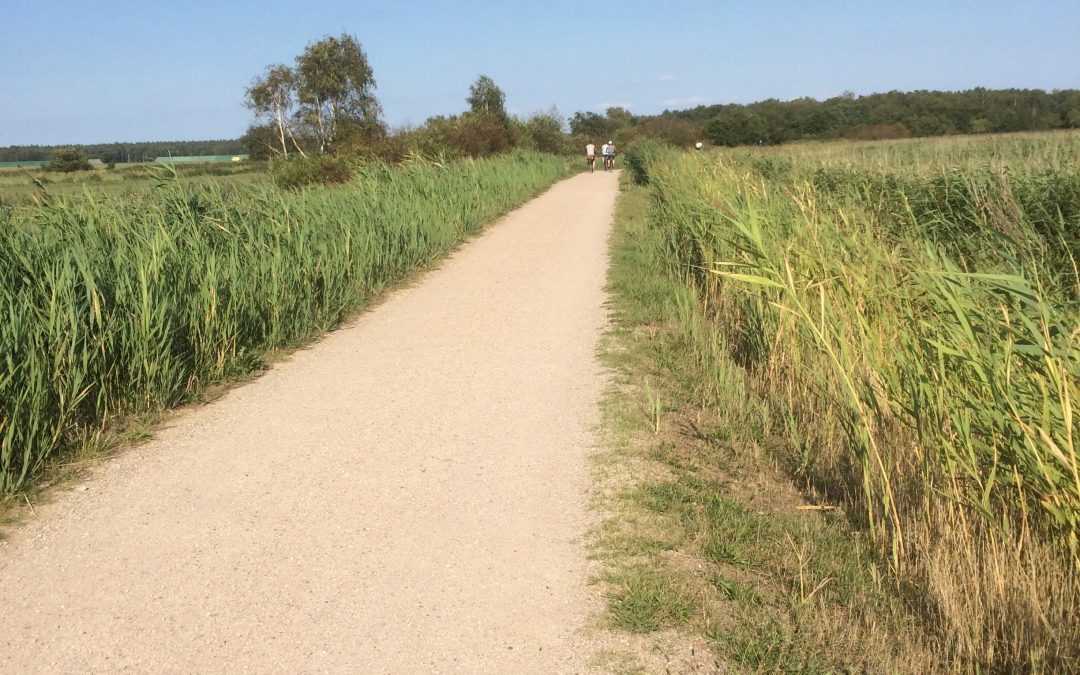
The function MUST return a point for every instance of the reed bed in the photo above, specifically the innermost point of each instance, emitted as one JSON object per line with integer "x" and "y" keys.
{"x": 120, "y": 305}
{"x": 909, "y": 315}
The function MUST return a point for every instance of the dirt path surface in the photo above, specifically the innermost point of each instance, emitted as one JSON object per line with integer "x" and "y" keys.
{"x": 408, "y": 495}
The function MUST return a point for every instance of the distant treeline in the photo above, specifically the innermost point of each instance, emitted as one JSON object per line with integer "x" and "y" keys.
{"x": 893, "y": 114}
{"x": 145, "y": 151}
{"x": 890, "y": 115}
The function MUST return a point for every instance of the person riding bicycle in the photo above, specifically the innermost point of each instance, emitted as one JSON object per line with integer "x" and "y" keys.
{"x": 608, "y": 151}
{"x": 590, "y": 156}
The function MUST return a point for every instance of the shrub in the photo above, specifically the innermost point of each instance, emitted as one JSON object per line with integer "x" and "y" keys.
{"x": 299, "y": 172}
{"x": 543, "y": 131}
{"x": 68, "y": 159}
{"x": 674, "y": 130}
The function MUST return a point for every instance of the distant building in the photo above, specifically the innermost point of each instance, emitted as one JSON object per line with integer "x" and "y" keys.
{"x": 195, "y": 159}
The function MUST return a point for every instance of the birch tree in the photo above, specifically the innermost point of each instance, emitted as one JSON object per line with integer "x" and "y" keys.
{"x": 273, "y": 97}
{"x": 486, "y": 97}
{"x": 336, "y": 87}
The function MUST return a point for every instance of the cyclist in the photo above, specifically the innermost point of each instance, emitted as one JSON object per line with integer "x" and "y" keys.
{"x": 590, "y": 156}
{"x": 609, "y": 155}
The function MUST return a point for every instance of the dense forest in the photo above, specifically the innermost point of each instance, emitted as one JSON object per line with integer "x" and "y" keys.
{"x": 890, "y": 115}
{"x": 145, "y": 151}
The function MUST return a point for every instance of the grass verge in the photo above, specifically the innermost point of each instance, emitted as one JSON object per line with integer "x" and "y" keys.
{"x": 714, "y": 559}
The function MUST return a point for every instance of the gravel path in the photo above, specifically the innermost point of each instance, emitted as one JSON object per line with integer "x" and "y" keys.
{"x": 407, "y": 495}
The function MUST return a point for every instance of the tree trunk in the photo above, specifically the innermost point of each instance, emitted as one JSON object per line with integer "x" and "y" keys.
{"x": 295, "y": 144}
{"x": 281, "y": 129}
{"x": 323, "y": 142}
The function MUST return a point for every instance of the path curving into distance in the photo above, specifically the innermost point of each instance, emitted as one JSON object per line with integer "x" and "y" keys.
{"x": 407, "y": 495}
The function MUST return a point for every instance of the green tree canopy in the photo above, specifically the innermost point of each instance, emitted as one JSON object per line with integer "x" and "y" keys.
{"x": 620, "y": 117}
{"x": 592, "y": 125}
{"x": 737, "y": 126}
{"x": 486, "y": 97}
{"x": 68, "y": 159}
{"x": 272, "y": 97}
{"x": 336, "y": 88}
{"x": 543, "y": 131}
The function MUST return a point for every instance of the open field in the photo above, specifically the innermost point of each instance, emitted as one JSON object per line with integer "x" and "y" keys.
{"x": 23, "y": 186}
{"x": 897, "y": 323}
{"x": 1046, "y": 150}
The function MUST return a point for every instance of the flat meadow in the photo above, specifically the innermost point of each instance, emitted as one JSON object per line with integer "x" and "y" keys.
{"x": 21, "y": 186}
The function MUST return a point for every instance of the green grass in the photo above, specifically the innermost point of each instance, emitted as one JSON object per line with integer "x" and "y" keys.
{"x": 897, "y": 325}
{"x": 118, "y": 306}
{"x": 23, "y": 187}
{"x": 703, "y": 535}
{"x": 646, "y": 599}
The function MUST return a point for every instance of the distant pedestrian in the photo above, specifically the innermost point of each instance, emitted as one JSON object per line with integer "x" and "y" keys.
{"x": 590, "y": 156}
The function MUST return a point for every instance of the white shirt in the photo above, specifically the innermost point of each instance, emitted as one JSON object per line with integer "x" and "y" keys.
{"x": 603, "y": 149}
{"x": 590, "y": 149}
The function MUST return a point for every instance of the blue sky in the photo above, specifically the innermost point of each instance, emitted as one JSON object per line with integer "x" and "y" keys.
{"x": 99, "y": 71}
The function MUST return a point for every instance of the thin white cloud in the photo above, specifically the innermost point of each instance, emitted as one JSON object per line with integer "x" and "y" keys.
{"x": 667, "y": 77}
{"x": 689, "y": 100}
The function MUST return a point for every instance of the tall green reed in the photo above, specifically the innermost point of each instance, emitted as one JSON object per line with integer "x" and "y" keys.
{"x": 114, "y": 305}
{"x": 916, "y": 326}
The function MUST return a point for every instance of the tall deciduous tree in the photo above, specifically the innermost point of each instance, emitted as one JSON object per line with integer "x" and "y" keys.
{"x": 336, "y": 89}
{"x": 273, "y": 97}
{"x": 486, "y": 97}
{"x": 592, "y": 125}
{"x": 737, "y": 126}
{"x": 544, "y": 131}
{"x": 620, "y": 117}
